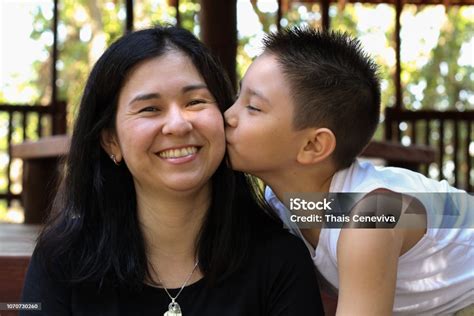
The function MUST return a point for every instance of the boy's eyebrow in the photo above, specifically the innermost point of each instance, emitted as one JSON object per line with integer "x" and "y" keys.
{"x": 257, "y": 94}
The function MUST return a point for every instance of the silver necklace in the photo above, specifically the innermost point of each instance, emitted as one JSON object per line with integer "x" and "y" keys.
{"x": 173, "y": 308}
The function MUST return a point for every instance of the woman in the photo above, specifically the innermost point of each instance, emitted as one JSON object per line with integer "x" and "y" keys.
{"x": 149, "y": 218}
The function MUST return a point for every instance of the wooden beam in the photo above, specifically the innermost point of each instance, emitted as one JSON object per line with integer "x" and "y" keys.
{"x": 59, "y": 118}
{"x": 54, "y": 54}
{"x": 18, "y": 240}
{"x": 25, "y": 108}
{"x": 415, "y": 2}
{"x": 395, "y": 152}
{"x": 469, "y": 187}
{"x": 325, "y": 22}
{"x": 42, "y": 161}
{"x": 129, "y": 16}
{"x": 279, "y": 15}
{"x": 430, "y": 115}
{"x": 178, "y": 14}
{"x": 219, "y": 32}
{"x": 46, "y": 147}
{"x": 398, "y": 67}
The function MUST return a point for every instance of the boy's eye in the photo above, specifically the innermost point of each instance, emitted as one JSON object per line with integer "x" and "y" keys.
{"x": 253, "y": 108}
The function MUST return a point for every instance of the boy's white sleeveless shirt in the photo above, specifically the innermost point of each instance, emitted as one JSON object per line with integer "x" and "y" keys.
{"x": 436, "y": 276}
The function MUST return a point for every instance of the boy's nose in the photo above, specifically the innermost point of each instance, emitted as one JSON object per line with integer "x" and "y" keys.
{"x": 230, "y": 118}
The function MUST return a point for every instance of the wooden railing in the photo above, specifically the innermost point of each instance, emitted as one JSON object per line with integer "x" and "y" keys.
{"x": 450, "y": 132}
{"x": 16, "y": 119}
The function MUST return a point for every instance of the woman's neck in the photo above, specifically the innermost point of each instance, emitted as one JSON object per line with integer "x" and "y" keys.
{"x": 171, "y": 225}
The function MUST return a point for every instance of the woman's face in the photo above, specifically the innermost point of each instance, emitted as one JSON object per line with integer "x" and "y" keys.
{"x": 169, "y": 130}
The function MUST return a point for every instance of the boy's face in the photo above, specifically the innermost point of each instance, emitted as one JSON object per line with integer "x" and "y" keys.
{"x": 260, "y": 136}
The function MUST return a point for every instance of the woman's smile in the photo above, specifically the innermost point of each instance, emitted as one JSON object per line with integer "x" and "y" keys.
{"x": 179, "y": 155}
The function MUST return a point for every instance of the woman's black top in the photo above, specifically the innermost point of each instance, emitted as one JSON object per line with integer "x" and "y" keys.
{"x": 278, "y": 279}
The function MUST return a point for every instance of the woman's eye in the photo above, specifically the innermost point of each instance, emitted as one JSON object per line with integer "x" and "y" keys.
{"x": 149, "y": 109}
{"x": 253, "y": 108}
{"x": 195, "y": 102}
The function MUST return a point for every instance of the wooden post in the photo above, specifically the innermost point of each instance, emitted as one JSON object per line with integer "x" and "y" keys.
{"x": 398, "y": 67}
{"x": 58, "y": 108}
{"x": 178, "y": 14}
{"x": 388, "y": 124}
{"x": 469, "y": 187}
{"x": 42, "y": 165}
{"x": 59, "y": 118}
{"x": 279, "y": 15}
{"x": 40, "y": 177}
{"x": 54, "y": 55}
{"x": 325, "y": 15}
{"x": 219, "y": 32}
{"x": 129, "y": 16}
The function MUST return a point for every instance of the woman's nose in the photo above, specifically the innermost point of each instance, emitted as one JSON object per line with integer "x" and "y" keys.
{"x": 177, "y": 123}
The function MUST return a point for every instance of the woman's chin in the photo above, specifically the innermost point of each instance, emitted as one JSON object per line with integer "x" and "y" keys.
{"x": 186, "y": 185}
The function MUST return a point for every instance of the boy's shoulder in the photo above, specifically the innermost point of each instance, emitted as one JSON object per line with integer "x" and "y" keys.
{"x": 364, "y": 176}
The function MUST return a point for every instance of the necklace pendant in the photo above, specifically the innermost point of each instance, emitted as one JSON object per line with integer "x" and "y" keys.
{"x": 173, "y": 310}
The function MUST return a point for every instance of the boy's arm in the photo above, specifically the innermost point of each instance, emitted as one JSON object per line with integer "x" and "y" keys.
{"x": 367, "y": 260}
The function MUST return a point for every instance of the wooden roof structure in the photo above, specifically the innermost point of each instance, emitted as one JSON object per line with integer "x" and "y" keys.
{"x": 222, "y": 40}
{"x": 415, "y": 2}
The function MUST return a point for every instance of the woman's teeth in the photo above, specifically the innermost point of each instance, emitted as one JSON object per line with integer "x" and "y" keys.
{"x": 178, "y": 153}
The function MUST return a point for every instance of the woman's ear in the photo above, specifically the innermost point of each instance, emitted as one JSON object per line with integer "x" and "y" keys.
{"x": 320, "y": 144}
{"x": 109, "y": 142}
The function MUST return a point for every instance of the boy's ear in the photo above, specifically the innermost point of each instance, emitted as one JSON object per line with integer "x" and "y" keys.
{"x": 319, "y": 145}
{"x": 108, "y": 141}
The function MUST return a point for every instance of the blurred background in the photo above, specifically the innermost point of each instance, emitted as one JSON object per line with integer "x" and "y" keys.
{"x": 425, "y": 50}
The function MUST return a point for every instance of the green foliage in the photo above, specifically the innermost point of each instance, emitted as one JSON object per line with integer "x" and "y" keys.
{"x": 189, "y": 10}
{"x": 86, "y": 27}
{"x": 442, "y": 83}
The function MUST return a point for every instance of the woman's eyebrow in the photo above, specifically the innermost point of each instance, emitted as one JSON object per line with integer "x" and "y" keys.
{"x": 194, "y": 87}
{"x": 156, "y": 95}
{"x": 144, "y": 97}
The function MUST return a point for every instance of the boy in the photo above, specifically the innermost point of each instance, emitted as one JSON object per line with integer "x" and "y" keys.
{"x": 307, "y": 107}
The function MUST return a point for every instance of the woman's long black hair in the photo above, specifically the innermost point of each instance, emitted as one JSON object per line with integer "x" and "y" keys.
{"x": 93, "y": 230}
